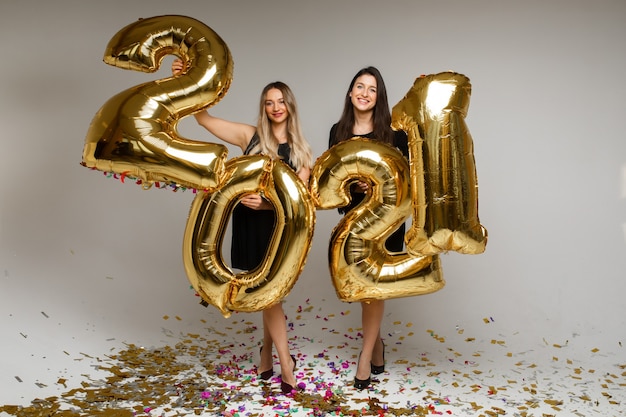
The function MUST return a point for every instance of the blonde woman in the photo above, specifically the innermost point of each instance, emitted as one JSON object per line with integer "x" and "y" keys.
{"x": 278, "y": 135}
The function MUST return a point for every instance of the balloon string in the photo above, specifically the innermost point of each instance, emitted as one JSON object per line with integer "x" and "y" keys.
{"x": 146, "y": 185}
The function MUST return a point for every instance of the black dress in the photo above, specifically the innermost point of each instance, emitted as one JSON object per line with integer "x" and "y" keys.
{"x": 395, "y": 242}
{"x": 252, "y": 229}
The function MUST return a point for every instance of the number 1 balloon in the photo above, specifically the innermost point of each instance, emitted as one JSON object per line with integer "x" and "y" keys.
{"x": 443, "y": 171}
{"x": 134, "y": 133}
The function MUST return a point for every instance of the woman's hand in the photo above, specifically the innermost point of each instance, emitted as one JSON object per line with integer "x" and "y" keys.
{"x": 255, "y": 202}
{"x": 178, "y": 67}
{"x": 362, "y": 186}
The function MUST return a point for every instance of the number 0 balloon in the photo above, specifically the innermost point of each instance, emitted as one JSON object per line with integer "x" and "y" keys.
{"x": 286, "y": 255}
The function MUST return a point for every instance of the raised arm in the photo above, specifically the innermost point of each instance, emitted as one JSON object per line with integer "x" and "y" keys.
{"x": 238, "y": 134}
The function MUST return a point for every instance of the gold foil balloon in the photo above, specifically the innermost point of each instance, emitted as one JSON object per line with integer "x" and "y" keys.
{"x": 134, "y": 133}
{"x": 443, "y": 171}
{"x": 361, "y": 267}
{"x": 289, "y": 246}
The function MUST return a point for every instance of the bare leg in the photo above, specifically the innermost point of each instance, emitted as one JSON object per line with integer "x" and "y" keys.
{"x": 266, "y": 352}
{"x": 276, "y": 327}
{"x": 371, "y": 317}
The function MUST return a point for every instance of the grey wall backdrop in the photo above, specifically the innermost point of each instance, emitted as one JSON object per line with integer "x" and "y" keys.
{"x": 546, "y": 115}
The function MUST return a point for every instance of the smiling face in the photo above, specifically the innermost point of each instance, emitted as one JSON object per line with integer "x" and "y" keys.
{"x": 275, "y": 106}
{"x": 364, "y": 92}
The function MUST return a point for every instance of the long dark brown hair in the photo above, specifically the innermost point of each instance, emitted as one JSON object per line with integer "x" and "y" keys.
{"x": 382, "y": 115}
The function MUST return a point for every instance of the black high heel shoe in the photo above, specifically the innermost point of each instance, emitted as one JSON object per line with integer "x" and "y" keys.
{"x": 265, "y": 375}
{"x": 379, "y": 369}
{"x": 361, "y": 384}
{"x": 288, "y": 388}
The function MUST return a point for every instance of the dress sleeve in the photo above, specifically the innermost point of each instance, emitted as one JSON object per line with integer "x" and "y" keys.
{"x": 401, "y": 141}
{"x": 331, "y": 137}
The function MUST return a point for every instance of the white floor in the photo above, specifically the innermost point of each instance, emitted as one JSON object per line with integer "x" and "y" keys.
{"x": 204, "y": 364}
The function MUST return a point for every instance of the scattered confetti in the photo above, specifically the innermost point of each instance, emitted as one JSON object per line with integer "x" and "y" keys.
{"x": 212, "y": 371}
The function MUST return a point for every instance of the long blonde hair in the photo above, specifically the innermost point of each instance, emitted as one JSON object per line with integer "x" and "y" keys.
{"x": 268, "y": 143}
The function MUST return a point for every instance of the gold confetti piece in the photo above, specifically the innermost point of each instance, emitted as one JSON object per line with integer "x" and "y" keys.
{"x": 409, "y": 325}
{"x": 595, "y": 350}
{"x": 509, "y": 354}
{"x": 476, "y": 406}
{"x": 555, "y": 359}
{"x": 470, "y": 339}
{"x": 62, "y": 381}
{"x": 410, "y": 334}
{"x": 166, "y": 317}
{"x": 178, "y": 318}
{"x": 109, "y": 277}
{"x": 557, "y": 346}
{"x": 486, "y": 320}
